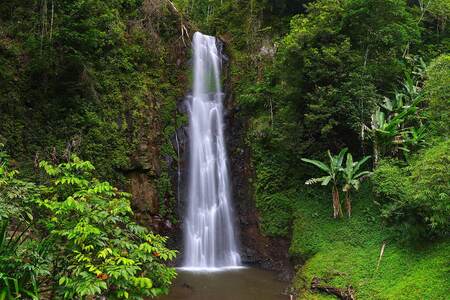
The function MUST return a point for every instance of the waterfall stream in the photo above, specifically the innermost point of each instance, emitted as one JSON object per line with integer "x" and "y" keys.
{"x": 178, "y": 168}
{"x": 209, "y": 235}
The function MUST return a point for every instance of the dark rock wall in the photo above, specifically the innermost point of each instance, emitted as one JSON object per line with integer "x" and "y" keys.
{"x": 267, "y": 252}
{"x": 146, "y": 167}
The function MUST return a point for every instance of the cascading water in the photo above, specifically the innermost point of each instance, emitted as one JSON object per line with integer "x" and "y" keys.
{"x": 209, "y": 237}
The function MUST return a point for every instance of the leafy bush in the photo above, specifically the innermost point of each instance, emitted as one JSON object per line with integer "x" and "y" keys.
{"x": 276, "y": 213}
{"x": 76, "y": 234}
{"x": 430, "y": 178}
{"x": 23, "y": 252}
{"x": 416, "y": 197}
{"x": 437, "y": 90}
{"x": 105, "y": 252}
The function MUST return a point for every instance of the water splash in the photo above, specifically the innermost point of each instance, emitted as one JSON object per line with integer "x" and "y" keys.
{"x": 209, "y": 237}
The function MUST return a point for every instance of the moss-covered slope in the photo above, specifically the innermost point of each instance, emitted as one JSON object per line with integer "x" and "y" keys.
{"x": 346, "y": 253}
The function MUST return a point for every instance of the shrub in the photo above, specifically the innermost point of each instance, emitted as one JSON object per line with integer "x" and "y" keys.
{"x": 276, "y": 213}
{"x": 101, "y": 250}
{"x": 23, "y": 251}
{"x": 76, "y": 234}
{"x": 437, "y": 91}
{"x": 416, "y": 197}
{"x": 430, "y": 179}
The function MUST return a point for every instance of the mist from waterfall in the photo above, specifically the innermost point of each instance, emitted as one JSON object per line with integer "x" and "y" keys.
{"x": 209, "y": 235}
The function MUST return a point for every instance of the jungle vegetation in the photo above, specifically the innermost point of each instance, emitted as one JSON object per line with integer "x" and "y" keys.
{"x": 351, "y": 94}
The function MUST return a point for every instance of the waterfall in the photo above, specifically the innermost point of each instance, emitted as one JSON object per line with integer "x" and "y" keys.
{"x": 209, "y": 237}
{"x": 178, "y": 168}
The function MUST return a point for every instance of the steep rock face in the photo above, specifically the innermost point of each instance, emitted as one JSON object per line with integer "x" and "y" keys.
{"x": 270, "y": 253}
{"x": 153, "y": 176}
{"x": 143, "y": 182}
{"x": 150, "y": 165}
{"x": 145, "y": 163}
{"x": 145, "y": 197}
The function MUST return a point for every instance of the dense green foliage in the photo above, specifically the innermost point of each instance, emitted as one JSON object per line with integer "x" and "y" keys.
{"x": 348, "y": 73}
{"x": 23, "y": 259}
{"x": 347, "y": 253}
{"x": 437, "y": 92}
{"x": 334, "y": 63}
{"x": 101, "y": 79}
{"x": 416, "y": 196}
{"x": 369, "y": 75}
{"x": 86, "y": 77}
{"x": 414, "y": 193}
{"x": 90, "y": 223}
{"x": 74, "y": 235}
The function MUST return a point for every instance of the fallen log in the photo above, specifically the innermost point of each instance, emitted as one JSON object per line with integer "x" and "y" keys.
{"x": 347, "y": 293}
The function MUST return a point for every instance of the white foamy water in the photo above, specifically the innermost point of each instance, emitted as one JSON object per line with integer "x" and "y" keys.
{"x": 209, "y": 235}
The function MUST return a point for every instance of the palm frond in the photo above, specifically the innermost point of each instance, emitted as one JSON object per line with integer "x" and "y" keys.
{"x": 318, "y": 180}
{"x": 340, "y": 156}
{"x": 362, "y": 174}
{"x": 360, "y": 163}
{"x": 318, "y": 164}
{"x": 326, "y": 180}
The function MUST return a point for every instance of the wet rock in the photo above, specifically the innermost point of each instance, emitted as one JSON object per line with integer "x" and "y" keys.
{"x": 183, "y": 105}
{"x": 269, "y": 253}
{"x": 144, "y": 194}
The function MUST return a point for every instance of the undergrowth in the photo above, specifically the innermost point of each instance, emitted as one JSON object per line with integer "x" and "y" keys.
{"x": 346, "y": 252}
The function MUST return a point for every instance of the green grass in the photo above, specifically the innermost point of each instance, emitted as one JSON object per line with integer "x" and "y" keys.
{"x": 346, "y": 251}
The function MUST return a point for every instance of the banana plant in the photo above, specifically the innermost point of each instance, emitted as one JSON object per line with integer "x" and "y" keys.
{"x": 352, "y": 177}
{"x": 386, "y": 129}
{"x": 414, "y": 138}
{"x": 332, "y": 170}
{"x": 382, "y": 130}
{"x": 390, "y": 118}
{"x": 395, "y": 104}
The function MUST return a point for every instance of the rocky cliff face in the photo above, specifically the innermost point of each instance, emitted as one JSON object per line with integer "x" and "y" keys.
{"x": 153, "y": 179}
{"x": 144, "y": 173}
{"x": 267, "y": 252}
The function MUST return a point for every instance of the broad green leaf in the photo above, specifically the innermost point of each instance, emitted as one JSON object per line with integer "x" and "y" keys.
{"x": 318, "y": 164}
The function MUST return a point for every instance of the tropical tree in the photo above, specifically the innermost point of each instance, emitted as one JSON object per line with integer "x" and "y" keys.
{"x": 332, "y": 176}
{"x": 353, "y": 177}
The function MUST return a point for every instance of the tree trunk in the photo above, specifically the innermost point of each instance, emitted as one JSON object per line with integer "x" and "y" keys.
{"x": 347, "y": 293}
{"x": 376, "y": 151}
{"x": 337, "y": 211}
{"x": 334, "y": 201}
{"x": 348, "y": 203}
